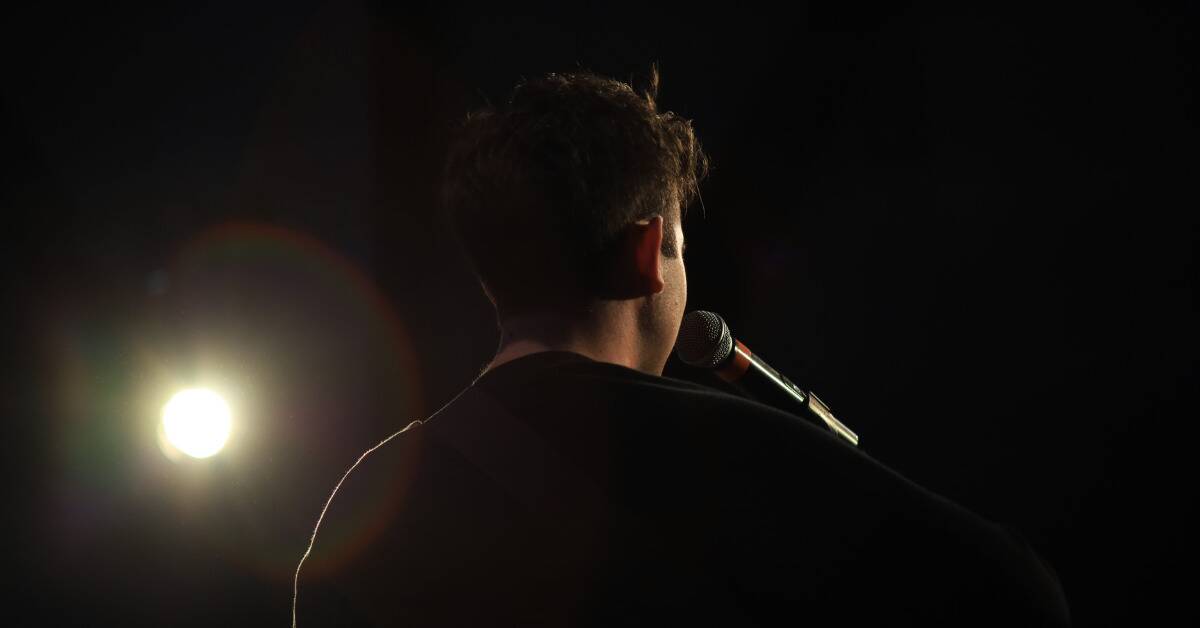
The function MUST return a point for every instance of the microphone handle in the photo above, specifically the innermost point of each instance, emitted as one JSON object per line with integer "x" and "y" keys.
{"x": 769, "y": 386}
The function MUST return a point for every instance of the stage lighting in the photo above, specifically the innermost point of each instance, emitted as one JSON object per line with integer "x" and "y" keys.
{"x": 196, "y": 422}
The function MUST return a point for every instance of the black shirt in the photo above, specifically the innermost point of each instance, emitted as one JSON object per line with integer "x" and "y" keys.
{"x": 558, "y": 490}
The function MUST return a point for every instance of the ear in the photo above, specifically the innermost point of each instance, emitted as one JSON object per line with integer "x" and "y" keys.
{"x": 645, "y": 237}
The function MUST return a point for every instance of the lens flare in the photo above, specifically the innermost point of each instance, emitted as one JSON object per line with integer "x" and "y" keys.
{"x": 196, "y": 422}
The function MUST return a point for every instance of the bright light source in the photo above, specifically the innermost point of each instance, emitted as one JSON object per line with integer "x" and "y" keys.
{"x": 196, "y": 421}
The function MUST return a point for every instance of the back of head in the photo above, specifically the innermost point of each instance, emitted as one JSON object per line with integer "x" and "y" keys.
{"x": 538, "y": 190}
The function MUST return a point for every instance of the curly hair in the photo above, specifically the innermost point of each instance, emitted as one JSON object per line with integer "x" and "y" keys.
{"x": 537, "y": 192}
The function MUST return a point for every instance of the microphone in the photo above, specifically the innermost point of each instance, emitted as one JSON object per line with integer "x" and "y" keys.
{"x": 705, "y": 342}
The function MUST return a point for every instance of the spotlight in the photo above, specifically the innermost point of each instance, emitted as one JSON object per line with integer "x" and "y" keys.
{"x": 197, "y": 422}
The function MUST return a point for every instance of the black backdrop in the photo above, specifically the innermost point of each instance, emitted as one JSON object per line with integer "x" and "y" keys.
{"x": 971, "y": 231}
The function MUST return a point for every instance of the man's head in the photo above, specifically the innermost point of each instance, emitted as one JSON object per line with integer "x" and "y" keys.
{"x": 556, "y": 197}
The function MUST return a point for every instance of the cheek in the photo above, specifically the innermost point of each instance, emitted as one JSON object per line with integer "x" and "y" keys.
{"x": 682, "y": 291}
{"x": 682, "y": 265}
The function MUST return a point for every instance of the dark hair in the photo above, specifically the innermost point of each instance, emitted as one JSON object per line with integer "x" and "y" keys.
{"x": 537, "y": 192}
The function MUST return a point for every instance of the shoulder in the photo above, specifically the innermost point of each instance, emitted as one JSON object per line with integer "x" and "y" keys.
{"x": 391, "y": 542}
{"x": 800, "y": 514}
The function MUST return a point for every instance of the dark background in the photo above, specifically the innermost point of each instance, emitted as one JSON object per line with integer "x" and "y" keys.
{"x": 971, "y": 231}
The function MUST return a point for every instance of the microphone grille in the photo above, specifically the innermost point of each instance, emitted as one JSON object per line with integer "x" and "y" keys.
{"x": 704, "y": 340}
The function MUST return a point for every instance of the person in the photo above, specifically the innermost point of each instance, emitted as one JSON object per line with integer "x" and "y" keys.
{"x": 571, "y": 484}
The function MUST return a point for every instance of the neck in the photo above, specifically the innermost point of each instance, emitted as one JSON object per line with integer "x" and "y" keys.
{"x": 604, "y": 335}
